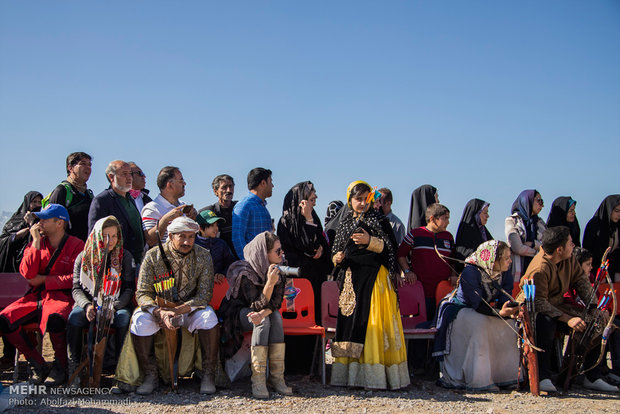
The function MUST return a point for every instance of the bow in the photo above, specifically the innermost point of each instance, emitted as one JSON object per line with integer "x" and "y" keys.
{"x": 525, "y": 339}
{"x": 609, "y": 326}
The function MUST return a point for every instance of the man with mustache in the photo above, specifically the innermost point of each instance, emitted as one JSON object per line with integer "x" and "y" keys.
{"x": 191, "y": 288}
{"x": 116, "y": 201}
{"x": 224, "y": 189}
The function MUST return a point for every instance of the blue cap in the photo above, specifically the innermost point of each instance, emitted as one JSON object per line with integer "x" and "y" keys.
{"x": 53, "y": 211}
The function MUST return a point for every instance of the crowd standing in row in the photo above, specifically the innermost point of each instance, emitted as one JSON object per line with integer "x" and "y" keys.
{"x": 173, "y": 249}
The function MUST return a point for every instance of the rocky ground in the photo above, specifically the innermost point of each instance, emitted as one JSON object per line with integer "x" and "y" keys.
{"x": 312, "y": 397}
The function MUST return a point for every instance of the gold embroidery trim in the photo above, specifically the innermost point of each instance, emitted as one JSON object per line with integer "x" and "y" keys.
{"x": 375, "y": 245}
{"x": 346, "y": 349}
{"x": 346, "y": 301}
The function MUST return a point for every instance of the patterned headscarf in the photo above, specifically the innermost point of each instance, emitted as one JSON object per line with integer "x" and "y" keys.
{"x": 94, "y": 251}
{"x": 485, "y": 256}
{"x": 376, "y": 221}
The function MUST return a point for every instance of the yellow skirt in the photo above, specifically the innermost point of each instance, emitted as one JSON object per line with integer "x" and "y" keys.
{"x": 383, "y": 363}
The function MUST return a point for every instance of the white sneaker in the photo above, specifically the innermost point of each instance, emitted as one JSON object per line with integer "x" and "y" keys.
{"x": 547, "y": 386}
{"x": 599, "y": 385}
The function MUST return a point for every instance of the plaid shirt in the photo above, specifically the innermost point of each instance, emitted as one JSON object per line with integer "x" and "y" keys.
{"x": 250, "y": 217}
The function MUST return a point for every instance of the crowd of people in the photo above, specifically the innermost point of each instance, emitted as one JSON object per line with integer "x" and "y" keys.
{"x": 153, "y": 262}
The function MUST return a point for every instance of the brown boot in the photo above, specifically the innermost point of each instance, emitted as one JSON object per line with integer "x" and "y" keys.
{"x": 210, "y": 344}
{"x": 146, "y": 360}
{"x": 259, "y": 372}
{"x": 276, "y": 369}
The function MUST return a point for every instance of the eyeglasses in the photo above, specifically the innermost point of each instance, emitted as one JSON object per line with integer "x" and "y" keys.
{"x": 278, "y": 251}
{"x": 539, "y": 200}
{"x": 138, "y": 173}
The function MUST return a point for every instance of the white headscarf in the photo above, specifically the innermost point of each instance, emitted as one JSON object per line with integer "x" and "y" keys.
{"x": 181, "y": 224}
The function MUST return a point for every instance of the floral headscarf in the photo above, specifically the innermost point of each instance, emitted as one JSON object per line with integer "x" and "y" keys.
{"x": 485, "y": 257}
{"x": 94, "y": 251}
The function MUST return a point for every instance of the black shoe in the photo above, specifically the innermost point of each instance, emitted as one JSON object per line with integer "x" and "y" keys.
{"x": 57, "y": 376}
{"x": 38, "y": 374}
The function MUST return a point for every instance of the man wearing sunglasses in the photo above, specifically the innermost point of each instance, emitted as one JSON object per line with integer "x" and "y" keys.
{"x": 138, "y": 191}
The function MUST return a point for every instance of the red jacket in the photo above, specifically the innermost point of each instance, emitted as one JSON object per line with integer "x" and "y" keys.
{"x": 60, "y": 277}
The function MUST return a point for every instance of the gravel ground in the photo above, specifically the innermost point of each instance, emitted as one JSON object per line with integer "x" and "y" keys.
{"x": 312, "y": 397}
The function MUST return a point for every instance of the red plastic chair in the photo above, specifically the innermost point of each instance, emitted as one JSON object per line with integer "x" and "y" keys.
{"x": 15, "y": 286}
{"x": 413, "y": 311}
{"x": 329, "y": 312}
{"x": 443, "y": 288}
{"x": 219, "y": 293}
{"x": 300, "y": 321}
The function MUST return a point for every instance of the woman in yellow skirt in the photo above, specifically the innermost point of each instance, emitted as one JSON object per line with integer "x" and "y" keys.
{"x": 369, "y": 346}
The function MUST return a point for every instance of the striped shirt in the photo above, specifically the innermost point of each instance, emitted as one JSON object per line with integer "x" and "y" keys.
{"x": 155, "y": 210}
{"x": 419, "y": 246}
{"x": 250, "y": 217}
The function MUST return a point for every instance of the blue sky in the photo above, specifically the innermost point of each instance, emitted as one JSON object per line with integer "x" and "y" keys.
{"x": 479, "y": 98}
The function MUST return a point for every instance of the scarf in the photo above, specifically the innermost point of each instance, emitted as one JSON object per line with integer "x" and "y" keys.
{"x": 484, "y": 257}
{"x": 522, "y": 206}
{"x": 294, "y": 221}
{"x": 254, "y": 267}
{"x": 375, "y": 221}
{"x": 557, "y": 217}
{"x": 16, "y": 222}
{"x": 94, "y": 251}
{"x": 332, "y": 210}
{"x": 421, "y": 198}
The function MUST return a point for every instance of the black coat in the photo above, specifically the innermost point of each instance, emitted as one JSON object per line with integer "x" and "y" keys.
{"x": 108, "y": 203}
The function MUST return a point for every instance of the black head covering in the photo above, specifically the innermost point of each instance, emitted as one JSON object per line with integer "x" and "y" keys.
{"x": 600, "y": 233}
{"x": 557, "y": 217}
{"x": 421, "y": 198}
{"x": 332, "y": 209}
{"x": 11, "y": 252}
{"x": 16, "y": 222}
{"x": 292, "y": 218}
{"x": 471, "y": 233}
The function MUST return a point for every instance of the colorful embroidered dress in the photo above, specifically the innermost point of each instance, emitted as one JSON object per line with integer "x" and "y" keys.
{"x": 369, "y": 346}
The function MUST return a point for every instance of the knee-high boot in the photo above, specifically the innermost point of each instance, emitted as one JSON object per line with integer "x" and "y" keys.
{"x": 209, "y": 342}
{"x": 259, "y": 372}
{"x": 276, "y": 369}
{"x": 146, "y": 359}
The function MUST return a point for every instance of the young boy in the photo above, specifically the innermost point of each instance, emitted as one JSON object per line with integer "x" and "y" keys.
{"x": 208, "y": 238}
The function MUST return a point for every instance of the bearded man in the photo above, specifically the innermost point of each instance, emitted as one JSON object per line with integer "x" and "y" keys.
{"x": 116, "y": 201}
{"x": 183, "y": 272}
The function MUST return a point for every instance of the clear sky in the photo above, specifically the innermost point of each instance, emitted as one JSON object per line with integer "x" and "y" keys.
{"x": 479, "y": 98}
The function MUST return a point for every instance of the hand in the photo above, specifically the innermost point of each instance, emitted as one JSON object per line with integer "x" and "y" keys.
{"x": 219, "y": 278}
{"x": 35, "y": 232}
{"x": 306, "y": 209}
{"x": 256, "y": 318}
{"x": 273, "y": 275}
{"x": 361, "y": 238}
{"x": 338, "y": 257}
{"x": 91, "y": 313}
{"x": 318, "y": 253}
{"x": 38, "y": 280}
{"x": 507, "y": 311}
{"x": 166, "y": 318}
{"x": 29, "y": 218}
{"x": 193, "y": 213}
{"x": 410, "y": 277}
{"x": 453, "y": 280}
{"x": 577, "y": 324}
{"x": 172, "y": 214}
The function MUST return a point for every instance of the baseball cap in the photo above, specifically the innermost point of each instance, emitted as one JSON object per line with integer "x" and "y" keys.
{"x": 53, "y": 211}
{"x": 208, "y": 217}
